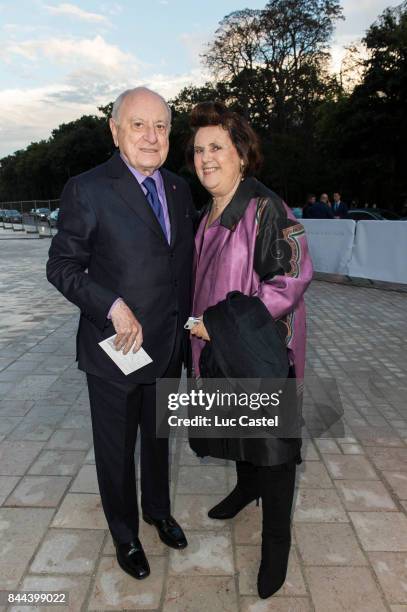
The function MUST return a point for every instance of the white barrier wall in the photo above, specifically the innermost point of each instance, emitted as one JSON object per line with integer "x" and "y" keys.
{"x": 380, "y": 251}
{"x": 367, "y": 249}
{"x": 330, "y": 242}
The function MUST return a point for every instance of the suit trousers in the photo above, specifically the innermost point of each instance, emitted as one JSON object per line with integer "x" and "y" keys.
{"x": 118, "y": 410}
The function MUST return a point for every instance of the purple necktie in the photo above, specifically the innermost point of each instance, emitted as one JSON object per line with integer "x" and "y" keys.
{"x": 154, "y": 201}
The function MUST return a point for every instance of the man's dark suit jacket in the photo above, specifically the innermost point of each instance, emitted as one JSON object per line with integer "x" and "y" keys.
{"x": 341, "y": 211}
{"x": 107, "y": 227}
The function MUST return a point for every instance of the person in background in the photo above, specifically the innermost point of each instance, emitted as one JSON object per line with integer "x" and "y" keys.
{"x": 324, "y": 199}
{"x": 339, "y": 208}
{"x": 249, "y": 246}
{"x": 311, "y": 199}
{"x": 320, "y": 210}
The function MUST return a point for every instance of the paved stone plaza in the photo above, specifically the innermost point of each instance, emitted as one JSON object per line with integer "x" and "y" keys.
{"x": 350, "y": 524}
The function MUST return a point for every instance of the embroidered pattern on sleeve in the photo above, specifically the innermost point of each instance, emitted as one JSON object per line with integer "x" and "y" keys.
{"x": 291, "y": 235}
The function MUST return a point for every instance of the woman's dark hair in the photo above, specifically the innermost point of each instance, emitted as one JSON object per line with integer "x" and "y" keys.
{"x": 244, "y": 138}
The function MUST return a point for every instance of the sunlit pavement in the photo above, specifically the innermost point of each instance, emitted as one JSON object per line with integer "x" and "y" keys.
{"x": 350, "y": 524}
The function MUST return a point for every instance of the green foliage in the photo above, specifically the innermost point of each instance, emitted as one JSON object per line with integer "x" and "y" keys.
{"x": 41, "y": 170}
{"x": 272, "y": 63}
{"x": 363, "y": 136}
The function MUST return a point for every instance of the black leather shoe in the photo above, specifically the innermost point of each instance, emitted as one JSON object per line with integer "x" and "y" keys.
{"x": 169, "y": 531}
{"x": 132, "y": 559}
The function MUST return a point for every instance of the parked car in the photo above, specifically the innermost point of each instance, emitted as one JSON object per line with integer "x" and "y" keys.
{"x": 40, "y": 213}
{"x": 53, "y": 217}
{"x": 372, "y": 214}
{"x": 12, "y": 216}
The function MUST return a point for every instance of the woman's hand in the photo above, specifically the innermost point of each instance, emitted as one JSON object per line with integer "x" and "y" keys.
{"x": 199, "y": 330}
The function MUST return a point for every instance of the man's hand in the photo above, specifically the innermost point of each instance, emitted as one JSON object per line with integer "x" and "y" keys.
{"x": 200, "y": 331}
{"x": 128, "y": 329}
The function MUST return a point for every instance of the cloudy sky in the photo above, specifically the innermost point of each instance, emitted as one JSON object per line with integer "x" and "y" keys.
{"x": 60, "y": 60}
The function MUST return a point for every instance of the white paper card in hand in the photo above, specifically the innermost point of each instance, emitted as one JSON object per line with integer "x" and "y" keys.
{"x": 127, "y": 363}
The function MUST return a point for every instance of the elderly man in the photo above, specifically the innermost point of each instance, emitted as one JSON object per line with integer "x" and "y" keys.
{"x": 123, "y": 255}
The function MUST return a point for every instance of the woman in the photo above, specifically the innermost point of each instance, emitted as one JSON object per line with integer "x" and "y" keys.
{"x": 248, "y": 241}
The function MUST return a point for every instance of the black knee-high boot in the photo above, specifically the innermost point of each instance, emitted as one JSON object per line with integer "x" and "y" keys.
{"x": 276, "y": 485}
{"x": 245, "y": 491}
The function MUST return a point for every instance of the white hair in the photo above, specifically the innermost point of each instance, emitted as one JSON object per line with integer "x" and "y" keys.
{"x": 119, "y": 101}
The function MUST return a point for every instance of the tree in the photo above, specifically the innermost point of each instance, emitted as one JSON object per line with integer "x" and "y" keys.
{"x": 275, "y": 58}
{"x": 106, "y": 110}
{"x": 274, "y": 65}
{"x": 352, "y": 67}
{"x": 42, "y": 169}
{"x": 79, "y": 145}
{"x": 363, "y": 136}
{"x": 319, "y": 131}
